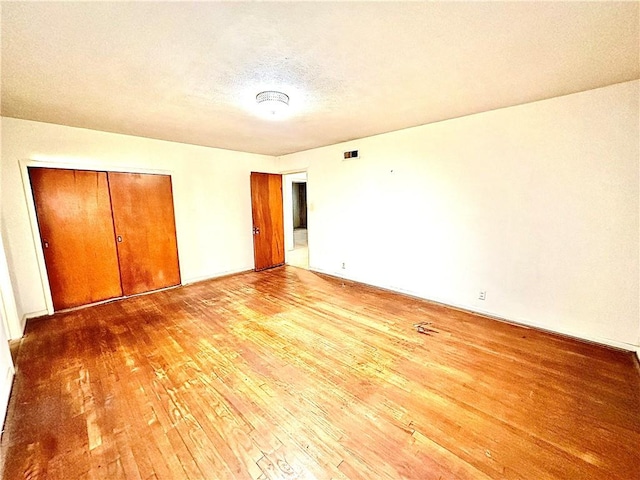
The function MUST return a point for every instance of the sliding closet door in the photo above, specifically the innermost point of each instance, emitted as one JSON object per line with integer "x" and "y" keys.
{"x": 74, "y": 217}
{"x": 145, "y": 229}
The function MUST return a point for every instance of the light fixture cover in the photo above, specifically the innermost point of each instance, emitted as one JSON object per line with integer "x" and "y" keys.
{"x": 272, "y": 102}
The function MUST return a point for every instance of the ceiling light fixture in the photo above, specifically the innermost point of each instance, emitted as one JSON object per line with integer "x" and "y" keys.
{"x": 273, "y": 103}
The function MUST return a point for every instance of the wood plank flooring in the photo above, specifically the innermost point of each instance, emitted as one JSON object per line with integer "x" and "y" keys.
{"x": 287, "y": 374}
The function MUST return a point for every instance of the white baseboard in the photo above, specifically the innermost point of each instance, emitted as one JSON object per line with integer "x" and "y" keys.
{"x": 28, "y": 316}
{"x": 522, "y": 322}
{"x": 39, "y": 313}
{"x": 567, "y": 333}
{"x": 517, "y": 321}
{"x": 226, "y": 273}
{"x": 189, "y": 281}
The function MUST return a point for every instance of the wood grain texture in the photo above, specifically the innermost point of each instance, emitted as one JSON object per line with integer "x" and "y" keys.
{"x": 74, "y": 218}
{"x": 144, "y": 219}
{"x": 268, "y": 220}
{"x": 287, "y": 374}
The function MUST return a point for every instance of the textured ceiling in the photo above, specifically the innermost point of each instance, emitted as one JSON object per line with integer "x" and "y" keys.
{"x": 189, "y": 72}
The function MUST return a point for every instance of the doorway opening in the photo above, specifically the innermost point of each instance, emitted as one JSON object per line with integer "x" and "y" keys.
{"x": 295, "y": 214}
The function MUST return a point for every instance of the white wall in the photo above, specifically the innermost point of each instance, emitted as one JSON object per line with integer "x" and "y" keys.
{"x": 211, "y": 189}
{"x": 537, "y": 204}
{"x": 8, "y": 314}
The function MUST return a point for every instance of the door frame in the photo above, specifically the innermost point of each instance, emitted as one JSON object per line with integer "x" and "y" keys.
{"x": 284, "y": 207}
{"x": 33, "y": 219}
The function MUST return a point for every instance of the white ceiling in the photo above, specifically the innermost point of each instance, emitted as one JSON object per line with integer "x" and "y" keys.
{"x": 189, "y": 72}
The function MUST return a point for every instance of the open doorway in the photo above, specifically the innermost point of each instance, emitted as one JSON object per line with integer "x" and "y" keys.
{"x": 295, "y": 220}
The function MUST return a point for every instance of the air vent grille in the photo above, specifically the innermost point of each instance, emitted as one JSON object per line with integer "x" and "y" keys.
{"x": 351, "y": 155}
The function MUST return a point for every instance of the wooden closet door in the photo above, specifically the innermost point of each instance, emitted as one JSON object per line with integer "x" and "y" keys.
{"x": 74, "y": 218}
{"x": 145, "y": 229}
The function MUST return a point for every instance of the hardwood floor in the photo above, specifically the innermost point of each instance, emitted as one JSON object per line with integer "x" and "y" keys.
{"x": 287, "y": 374}
{"x": 299, "y": 256}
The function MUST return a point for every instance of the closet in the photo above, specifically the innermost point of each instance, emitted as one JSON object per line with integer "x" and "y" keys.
{"x": 104, "y": 234}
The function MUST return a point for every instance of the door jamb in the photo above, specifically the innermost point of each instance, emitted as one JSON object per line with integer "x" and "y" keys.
{"x": 284, "y": 174}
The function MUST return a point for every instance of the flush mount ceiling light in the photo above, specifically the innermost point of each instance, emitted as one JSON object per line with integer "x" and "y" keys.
{"x": 272, "y": 103}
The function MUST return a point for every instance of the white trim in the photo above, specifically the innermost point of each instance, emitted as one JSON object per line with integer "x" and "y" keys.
{"x": 9, "y": 313}
{"x": 30, "y": 315}
{"x": 33, "y": 219}
{"x": 89, "y": 165}
{"x": 217, "y": 275}
{"x": 568, "y": 333}
{"x": 519, "y": 322}
{"x": 297, "y": 170}
{"x": 5, "y": 394}
{"x": 41, "y": 313}
{"x": 6, "y": 304}
{"x": 35, "y": 232}
{"x": 288, "y": 234}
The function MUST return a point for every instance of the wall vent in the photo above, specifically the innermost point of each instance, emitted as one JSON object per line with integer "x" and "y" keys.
{"x": 352, "y": 155}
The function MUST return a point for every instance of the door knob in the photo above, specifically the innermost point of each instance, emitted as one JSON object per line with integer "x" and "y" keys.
{"x": 119, "y": 238}
{"x": 46, "y": 244}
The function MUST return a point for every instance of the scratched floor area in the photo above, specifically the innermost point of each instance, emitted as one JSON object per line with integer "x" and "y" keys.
{"x": 287, "y": 374}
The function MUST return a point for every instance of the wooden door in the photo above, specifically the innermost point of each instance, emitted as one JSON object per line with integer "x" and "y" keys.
{"x": 268, "y": 222}
{"x": 74, "y": 218}
{"x": 146, "y": 231}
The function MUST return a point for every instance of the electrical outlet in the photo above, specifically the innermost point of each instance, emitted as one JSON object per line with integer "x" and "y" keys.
{"x": 483, "y": 295}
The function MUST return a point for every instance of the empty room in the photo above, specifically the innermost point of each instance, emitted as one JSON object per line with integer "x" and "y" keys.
{"x": 320, "y": 240}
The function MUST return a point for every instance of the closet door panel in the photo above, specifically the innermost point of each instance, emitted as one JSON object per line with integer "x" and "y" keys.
{"x": 145, "y": 229}
{"x": 76, "y": 229}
